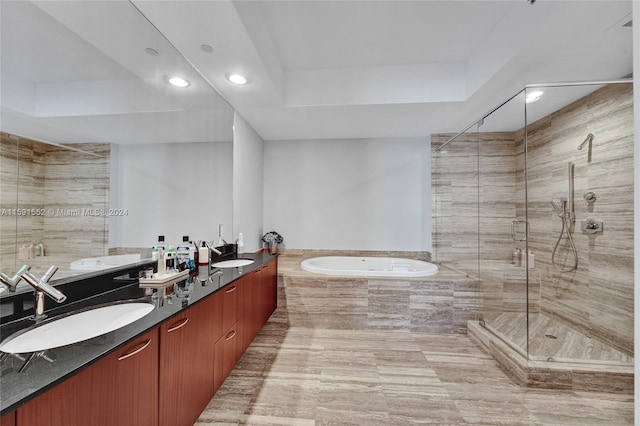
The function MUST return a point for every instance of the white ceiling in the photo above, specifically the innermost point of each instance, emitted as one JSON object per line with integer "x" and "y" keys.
{"x": 330, "y": 69}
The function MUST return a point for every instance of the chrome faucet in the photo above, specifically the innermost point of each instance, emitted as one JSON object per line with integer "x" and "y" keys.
{"x": 12, "y": 283}
{"x": 43, "y": 287}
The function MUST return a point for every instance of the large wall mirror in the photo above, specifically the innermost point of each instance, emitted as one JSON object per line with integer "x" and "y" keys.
{"x": 100, "y": 153}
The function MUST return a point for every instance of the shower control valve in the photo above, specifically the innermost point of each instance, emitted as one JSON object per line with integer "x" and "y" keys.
{"x": 590, "y": 197}
{"x": 590, "y": 226}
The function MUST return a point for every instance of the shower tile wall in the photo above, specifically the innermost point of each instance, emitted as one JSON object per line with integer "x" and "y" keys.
{"x": 597, "y": 299}
{"x": 64, "y": 183}
{"x": 77, "y": 182}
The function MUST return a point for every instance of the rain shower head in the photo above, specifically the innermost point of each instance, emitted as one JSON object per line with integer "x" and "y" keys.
{"x": 588, "y": 139}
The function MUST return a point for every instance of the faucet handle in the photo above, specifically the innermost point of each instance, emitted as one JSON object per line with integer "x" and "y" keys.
{"x": 42, "y": 285}
{"x": 47, "y": 276}
{"x": 12, "y": 282}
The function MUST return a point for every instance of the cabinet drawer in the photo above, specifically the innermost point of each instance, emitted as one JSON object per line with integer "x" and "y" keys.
{"x": 230, "y": 304}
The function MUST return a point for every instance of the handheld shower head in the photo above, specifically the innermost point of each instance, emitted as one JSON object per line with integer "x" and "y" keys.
{"x": 588, "y": 139}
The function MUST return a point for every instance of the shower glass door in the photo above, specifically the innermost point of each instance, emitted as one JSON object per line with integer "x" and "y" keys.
{"x": 455, "y": 201}
{"x": 536, "y": 201}
{"x": 503, "y": 224}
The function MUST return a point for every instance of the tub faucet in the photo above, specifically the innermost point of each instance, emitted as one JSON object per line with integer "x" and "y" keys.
{"x": 12, "y": 283}
{"x": 43, "y": 287}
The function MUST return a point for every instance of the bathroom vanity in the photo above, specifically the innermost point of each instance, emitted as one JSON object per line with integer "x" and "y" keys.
{"x": 162, "y": 369}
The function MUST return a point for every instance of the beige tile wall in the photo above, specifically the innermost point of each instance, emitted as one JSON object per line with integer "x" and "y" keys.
{"x": 597, "y": 298}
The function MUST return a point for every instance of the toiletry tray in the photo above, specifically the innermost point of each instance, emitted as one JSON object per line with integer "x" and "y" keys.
{"x": 164, "y": 280}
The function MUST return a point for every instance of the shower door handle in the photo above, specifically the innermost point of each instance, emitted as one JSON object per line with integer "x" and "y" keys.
{"x": 514, "y": 224}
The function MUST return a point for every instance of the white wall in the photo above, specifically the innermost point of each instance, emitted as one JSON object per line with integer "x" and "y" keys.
{"x": 248, "y": 160}
{"x": 171, "y": 190}
{"x": 360, "y": 194}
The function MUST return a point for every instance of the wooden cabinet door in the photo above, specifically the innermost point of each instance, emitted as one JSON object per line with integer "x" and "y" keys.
{"x": 227, "y": 353}
{"x": 270, "y": 288}
{"x": 255, "y": 310}
{"x": 121, "y": 389}
{"x": 186, "y": 364}
{"x": 244, "y": 308}
{"x": 8, "y": 419}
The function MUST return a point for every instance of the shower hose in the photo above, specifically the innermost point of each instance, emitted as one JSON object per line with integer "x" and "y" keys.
{"x": 565, "y": 226}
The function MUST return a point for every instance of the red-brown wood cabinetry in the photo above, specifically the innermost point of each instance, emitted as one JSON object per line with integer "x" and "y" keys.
{"x": 8, "y": 419}
{"x": 121, "y": 389}
{"x": 270, "y": 288}
{"x": 168, "y": 375}
{"x": 186, "y": 363}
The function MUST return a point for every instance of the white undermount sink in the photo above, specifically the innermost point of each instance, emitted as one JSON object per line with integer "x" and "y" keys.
{"x": 75, "y": 327}
{"x": 234, "y": 263}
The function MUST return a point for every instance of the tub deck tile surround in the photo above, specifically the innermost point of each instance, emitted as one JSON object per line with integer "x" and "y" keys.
{"x": 438, "y": 304}
{"x": 298, "y": 375}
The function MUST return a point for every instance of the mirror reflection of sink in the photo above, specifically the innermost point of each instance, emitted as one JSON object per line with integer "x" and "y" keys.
{"x": 234, "y": 263}
{"x": 75, "y": 327}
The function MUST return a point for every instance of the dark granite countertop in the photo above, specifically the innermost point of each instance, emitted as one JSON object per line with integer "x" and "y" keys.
{"x": 17, "y": 388}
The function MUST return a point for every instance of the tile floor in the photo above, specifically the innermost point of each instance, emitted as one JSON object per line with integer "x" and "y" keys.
{"x": 315, "y": 376}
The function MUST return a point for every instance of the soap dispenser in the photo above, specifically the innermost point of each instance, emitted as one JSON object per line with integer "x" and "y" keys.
{"x": 203, "y": 254}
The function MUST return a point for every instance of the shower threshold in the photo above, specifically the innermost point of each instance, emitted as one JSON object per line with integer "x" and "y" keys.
{"x": 560, "y": 374}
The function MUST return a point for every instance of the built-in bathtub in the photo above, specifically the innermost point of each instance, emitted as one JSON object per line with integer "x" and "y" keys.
{"x": 103, "y": 262}
{"x": 369, "y": 266}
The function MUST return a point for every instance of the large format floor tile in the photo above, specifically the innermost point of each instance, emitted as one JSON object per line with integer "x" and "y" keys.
{"x": 314, "y": 376}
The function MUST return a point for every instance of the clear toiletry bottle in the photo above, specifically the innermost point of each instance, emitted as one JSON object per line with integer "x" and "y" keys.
{"x": 183, "y": 254}
{"x": 170, "y": 260}
{"x": 240, "y": 243}
{"x": 194, "y": 254}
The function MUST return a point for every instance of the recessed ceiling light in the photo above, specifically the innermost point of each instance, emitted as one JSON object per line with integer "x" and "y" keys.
{"x": 206, "y": 48}
{"x": 150, "y": 51}
{"x": 237, "y": 78}
{"x": 179, "y": 82}
{"x": 533, "y": 96}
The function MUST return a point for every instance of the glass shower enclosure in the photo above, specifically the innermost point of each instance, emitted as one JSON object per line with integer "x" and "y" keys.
{"x": 535, "y": 200}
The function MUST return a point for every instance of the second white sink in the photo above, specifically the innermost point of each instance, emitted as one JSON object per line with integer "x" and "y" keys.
{"x": 234, "y": 263}
{"x": 75, "y": 327}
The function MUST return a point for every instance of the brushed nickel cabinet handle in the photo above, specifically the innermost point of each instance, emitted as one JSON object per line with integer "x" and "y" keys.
{"x": 231, "y": 289}
{"x": 137, "y": 351}
{"x": 179, "y": 325}
{"x": 230, "y": 335}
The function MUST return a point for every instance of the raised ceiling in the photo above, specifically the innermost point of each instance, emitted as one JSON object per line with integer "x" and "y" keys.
{"x": 317, "y": 69}
{"x": 351, "y": 69}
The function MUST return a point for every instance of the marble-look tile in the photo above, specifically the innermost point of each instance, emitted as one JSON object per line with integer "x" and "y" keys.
{"x": 303, "y": 375}
{"x": 549, "y": 372}
{"x": 381, "y": 377}
{"x": 62, "y": 183}
{"x": 443, "y": 303}
{"x": 486, "y": 170}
